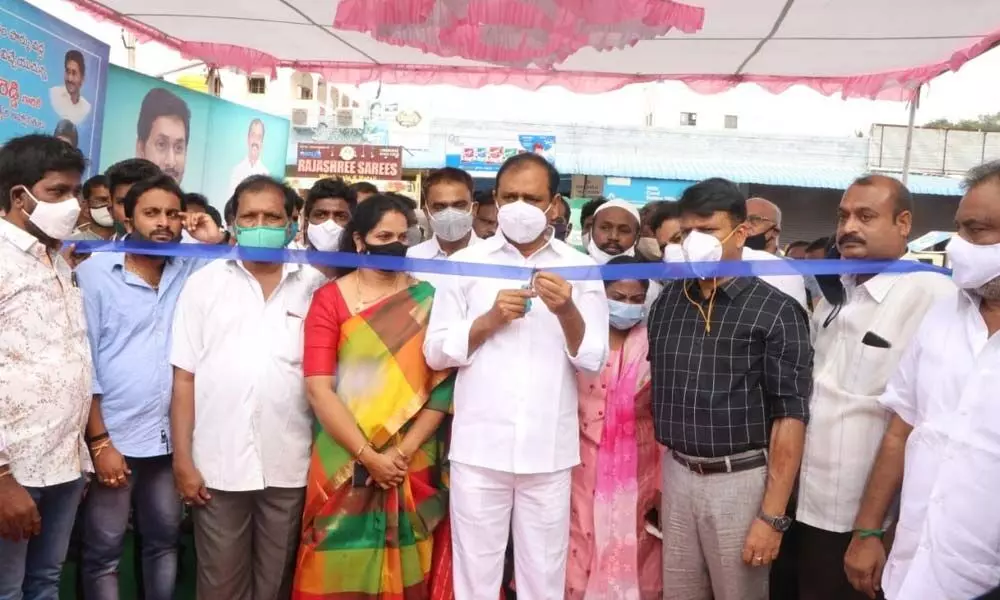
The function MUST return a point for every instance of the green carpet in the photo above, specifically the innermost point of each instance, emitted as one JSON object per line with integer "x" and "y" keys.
{"x": 127, "y": 589}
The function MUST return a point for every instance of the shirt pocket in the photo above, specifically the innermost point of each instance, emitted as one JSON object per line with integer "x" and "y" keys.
{"x": 871, "y": 369}
{"x": 292, "y": 334}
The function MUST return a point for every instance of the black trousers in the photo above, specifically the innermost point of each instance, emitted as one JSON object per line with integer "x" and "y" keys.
{"x": 821, "y": 565}
{"x": 784, "y": 578}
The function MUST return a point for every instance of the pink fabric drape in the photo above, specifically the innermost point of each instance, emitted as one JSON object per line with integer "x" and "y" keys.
{"x": 617, "y": 482}
{"x": 885, "y": 85}
{"x": 615, "y": 572}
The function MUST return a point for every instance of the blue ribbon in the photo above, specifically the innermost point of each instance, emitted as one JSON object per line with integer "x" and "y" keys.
{"x": 661, "y": 271}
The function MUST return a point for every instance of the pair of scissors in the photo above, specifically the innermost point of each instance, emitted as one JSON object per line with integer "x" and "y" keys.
{"x": 529, "y": 286}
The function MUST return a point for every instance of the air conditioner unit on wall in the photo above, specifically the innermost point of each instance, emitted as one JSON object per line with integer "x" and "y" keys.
{"x": 300, "y": 117}
{"x": 349, "y": 118}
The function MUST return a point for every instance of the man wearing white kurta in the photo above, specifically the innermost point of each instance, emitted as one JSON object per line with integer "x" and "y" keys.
{"x": 517, "y": 345}
{"x": 942, "y": 442}
{"x": 251, "y": 165}
{"x": 858, "y": 346}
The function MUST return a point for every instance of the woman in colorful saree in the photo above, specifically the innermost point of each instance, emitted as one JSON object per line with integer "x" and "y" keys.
{"x": 376, "y": 490}
{"x": 612, "y": 556}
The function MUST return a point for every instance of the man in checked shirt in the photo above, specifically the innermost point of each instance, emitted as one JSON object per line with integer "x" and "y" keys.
{"x": 731, "y": 365}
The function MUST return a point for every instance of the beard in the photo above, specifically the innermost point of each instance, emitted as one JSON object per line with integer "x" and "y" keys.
{"x": 990, "y": 290}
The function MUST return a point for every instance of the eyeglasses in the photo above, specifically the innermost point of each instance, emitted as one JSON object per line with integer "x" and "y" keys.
{"x": 757, "y": 220}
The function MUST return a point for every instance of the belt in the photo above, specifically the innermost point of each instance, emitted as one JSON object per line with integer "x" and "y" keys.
{"x": 726, "y": 464}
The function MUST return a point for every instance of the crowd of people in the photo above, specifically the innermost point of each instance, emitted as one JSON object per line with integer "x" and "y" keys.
{"x": 365, "y": 433}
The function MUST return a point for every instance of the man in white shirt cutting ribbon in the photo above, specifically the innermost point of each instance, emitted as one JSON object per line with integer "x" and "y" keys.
{"x": 942, "y": 445}
{"x": 517, "y": 345}
{"x": 858, "y": 345}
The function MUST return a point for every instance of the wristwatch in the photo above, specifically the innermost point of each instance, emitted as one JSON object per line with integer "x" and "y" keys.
{"x": 780, "y": 524}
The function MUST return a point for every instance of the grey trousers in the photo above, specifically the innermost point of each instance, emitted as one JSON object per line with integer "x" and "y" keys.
{"x": 705, "y": 519}
{"x": 246, "y": 544}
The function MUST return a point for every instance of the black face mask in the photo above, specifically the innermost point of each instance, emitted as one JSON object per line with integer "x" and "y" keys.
{"x": 560, "y": 230}
{"x": 830, "y": 285}
{"x": 757, "y": 242}
{"x": 391, "y": 249}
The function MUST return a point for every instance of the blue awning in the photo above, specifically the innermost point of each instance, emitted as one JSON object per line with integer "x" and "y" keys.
{"x": 741, "y": 172}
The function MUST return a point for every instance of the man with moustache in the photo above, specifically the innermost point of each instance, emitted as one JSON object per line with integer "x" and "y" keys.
{"x": 515, "y": 439}
{"x": 121, "y": 177}
{"x": 614, "y": 231}
{"x": 129, "y": 301}
{"x": 858, "y": 346}
{"x": 940, "y": 451}
{"x": 251, "y": 164}
{"x": 240, "y": 422}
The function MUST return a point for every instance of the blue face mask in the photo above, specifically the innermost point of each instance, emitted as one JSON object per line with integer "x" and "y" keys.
{"x": 262, "y": 237}
{"x": 625, "y": 316}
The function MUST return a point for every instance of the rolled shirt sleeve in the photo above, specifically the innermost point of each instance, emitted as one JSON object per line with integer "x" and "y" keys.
{"x": 446, "y": 345}
{"x": 593, "y": 306}
{"x": 788, "y": 364}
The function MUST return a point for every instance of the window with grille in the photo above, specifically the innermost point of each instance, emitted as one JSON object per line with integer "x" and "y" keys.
{"x": 689, "y": 119}
{"x": 256, "y": 85}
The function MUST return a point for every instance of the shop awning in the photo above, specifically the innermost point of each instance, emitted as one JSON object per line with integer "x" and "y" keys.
{"x": 856, "y": 48}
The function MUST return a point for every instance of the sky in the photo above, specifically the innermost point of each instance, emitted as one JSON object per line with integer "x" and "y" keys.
{"x": 972, "y": 91}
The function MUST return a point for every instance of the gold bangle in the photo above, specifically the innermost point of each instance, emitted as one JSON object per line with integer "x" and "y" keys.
{"x": 96, "y": 450}
{"x": 361, "y": 450}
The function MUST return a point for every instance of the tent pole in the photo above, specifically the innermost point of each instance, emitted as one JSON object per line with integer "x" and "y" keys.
{"x": 907, "y": 152}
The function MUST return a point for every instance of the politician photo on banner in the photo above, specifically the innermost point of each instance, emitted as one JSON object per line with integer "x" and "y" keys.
{"x": 203, "y": 142}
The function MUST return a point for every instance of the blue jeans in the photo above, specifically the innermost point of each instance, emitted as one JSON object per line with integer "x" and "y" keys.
{"x": 30, "y": 570}
{"x": 157, "y": 517}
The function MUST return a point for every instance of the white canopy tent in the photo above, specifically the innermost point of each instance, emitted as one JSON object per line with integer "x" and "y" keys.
{"x": 858, "y": 48}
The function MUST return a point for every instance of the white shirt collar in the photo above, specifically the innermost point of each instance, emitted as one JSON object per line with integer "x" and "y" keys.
{"x": 21, "y": 239}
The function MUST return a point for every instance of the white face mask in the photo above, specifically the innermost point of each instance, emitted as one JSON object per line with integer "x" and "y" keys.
{"x": 973, "y": 266}
{"x": 325, "y": 237}
{"x": 649, "y": 248}
{"x": 603, "y": 257}
{"x": 522, "y": 223}
{"x": 673, "y": 253}
{"x": 55, "y": 219}
{"x": 102, "y": 216}
{"x": 451, "y": 224}
{"x": 701, "y": 247}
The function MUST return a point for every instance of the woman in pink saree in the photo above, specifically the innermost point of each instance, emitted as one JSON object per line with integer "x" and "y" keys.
{"x": 612, "y": 556}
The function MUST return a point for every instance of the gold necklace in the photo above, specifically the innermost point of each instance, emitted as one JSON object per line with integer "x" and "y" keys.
{"x": 362, "y": 303}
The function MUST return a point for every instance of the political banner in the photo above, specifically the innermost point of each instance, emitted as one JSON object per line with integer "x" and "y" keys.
{"x": 484, "y": 159}
{"x": 53, "y": 79}
{"x": 208, "y": 145}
